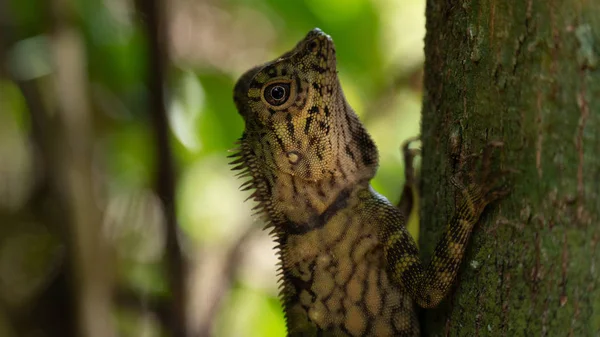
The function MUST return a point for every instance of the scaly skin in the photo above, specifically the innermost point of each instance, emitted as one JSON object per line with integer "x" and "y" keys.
{"x": 349, "y": 267}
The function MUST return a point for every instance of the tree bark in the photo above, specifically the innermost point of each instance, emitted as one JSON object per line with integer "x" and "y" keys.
{"x": 526, "y": 73}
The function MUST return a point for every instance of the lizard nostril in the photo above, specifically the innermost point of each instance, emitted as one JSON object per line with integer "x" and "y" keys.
{"x": 313, "y": 46}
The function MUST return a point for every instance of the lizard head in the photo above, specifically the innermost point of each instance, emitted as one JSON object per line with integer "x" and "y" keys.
{"x": 296, "y": 115}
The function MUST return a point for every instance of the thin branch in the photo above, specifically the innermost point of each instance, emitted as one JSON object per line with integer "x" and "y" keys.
{"x": 154, "y": 23}
{"x": 235, "y": 256}
{"x": 53, "y": 310}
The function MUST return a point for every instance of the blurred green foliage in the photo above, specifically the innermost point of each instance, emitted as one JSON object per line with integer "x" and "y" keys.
{"x": 211, "y": 43}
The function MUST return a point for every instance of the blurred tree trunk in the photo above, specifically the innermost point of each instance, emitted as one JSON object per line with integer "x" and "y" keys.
{"x": 526, "y": 73}
{"x": 92, "y": 272}
{"x": 59, "y": 257}
{"x": 154, "y": 19}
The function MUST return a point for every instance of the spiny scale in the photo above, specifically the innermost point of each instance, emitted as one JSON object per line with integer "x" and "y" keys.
{"x": 247, "y": 185}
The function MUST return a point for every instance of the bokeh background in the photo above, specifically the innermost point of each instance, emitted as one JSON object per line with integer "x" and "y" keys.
{"x": 232, "y": 278}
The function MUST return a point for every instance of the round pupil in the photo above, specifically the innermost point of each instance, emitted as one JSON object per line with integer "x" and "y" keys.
{"x": 278, "y": 92}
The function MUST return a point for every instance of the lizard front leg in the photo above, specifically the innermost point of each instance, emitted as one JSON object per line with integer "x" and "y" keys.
{"x": 429, "y": 284}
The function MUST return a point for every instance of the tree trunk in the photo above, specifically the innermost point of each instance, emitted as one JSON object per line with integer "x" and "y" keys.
{"x": 526, "y": 73}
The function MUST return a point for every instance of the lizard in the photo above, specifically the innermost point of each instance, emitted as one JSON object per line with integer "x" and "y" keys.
{"x": 347, "y": 264}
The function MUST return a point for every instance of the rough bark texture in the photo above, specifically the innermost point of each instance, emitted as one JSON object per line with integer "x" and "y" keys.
{"x": 526, "y": 73}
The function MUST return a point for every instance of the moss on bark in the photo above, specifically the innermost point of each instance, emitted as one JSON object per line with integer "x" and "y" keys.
{"x": 526, "y": 73}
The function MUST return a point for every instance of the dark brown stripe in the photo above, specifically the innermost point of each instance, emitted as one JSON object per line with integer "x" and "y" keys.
{"x": 349, "y": 152}
{"x": 318, "y": 68}
{"x": 280, "y": 142}
{"x": 324, "y": 126}
{"x": 320, "y": 153}
{"x": 309, "y": 120}
{"x": 318, "y": 221}
{"x": 290, "y": 125}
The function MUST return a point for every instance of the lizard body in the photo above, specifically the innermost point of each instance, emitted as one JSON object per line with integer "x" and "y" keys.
{"x": 348, "y": 266}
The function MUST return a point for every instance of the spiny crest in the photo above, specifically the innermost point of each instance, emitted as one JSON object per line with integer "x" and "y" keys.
{"x": 245, "y": 163}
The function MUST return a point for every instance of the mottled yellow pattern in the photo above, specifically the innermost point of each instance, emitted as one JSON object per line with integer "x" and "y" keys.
{"x": 348, "y": 265}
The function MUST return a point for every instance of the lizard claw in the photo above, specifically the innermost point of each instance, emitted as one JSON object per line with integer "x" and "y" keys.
{"x": 486, "y": 160}
{"x": 484, "y": 184}
{"x": 409, "y": 155}
{"x": 498, "y": 184}
{"x": 410, "y": 175}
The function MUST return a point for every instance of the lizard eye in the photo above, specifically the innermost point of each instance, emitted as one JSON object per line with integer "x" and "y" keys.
{"x": 277, "y": 93}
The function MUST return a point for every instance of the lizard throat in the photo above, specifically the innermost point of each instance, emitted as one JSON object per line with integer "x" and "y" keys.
{"x": 291, "y": 203}
{"x": 318, "y": 221}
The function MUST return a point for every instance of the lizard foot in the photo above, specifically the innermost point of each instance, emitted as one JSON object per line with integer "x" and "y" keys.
{"x": 480, "y": 183}
{"x": 409, "y": 155}
{"x": 410, "y": 175}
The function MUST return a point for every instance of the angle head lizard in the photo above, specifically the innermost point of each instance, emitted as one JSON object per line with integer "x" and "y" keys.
{"x": 348, "y": 265}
